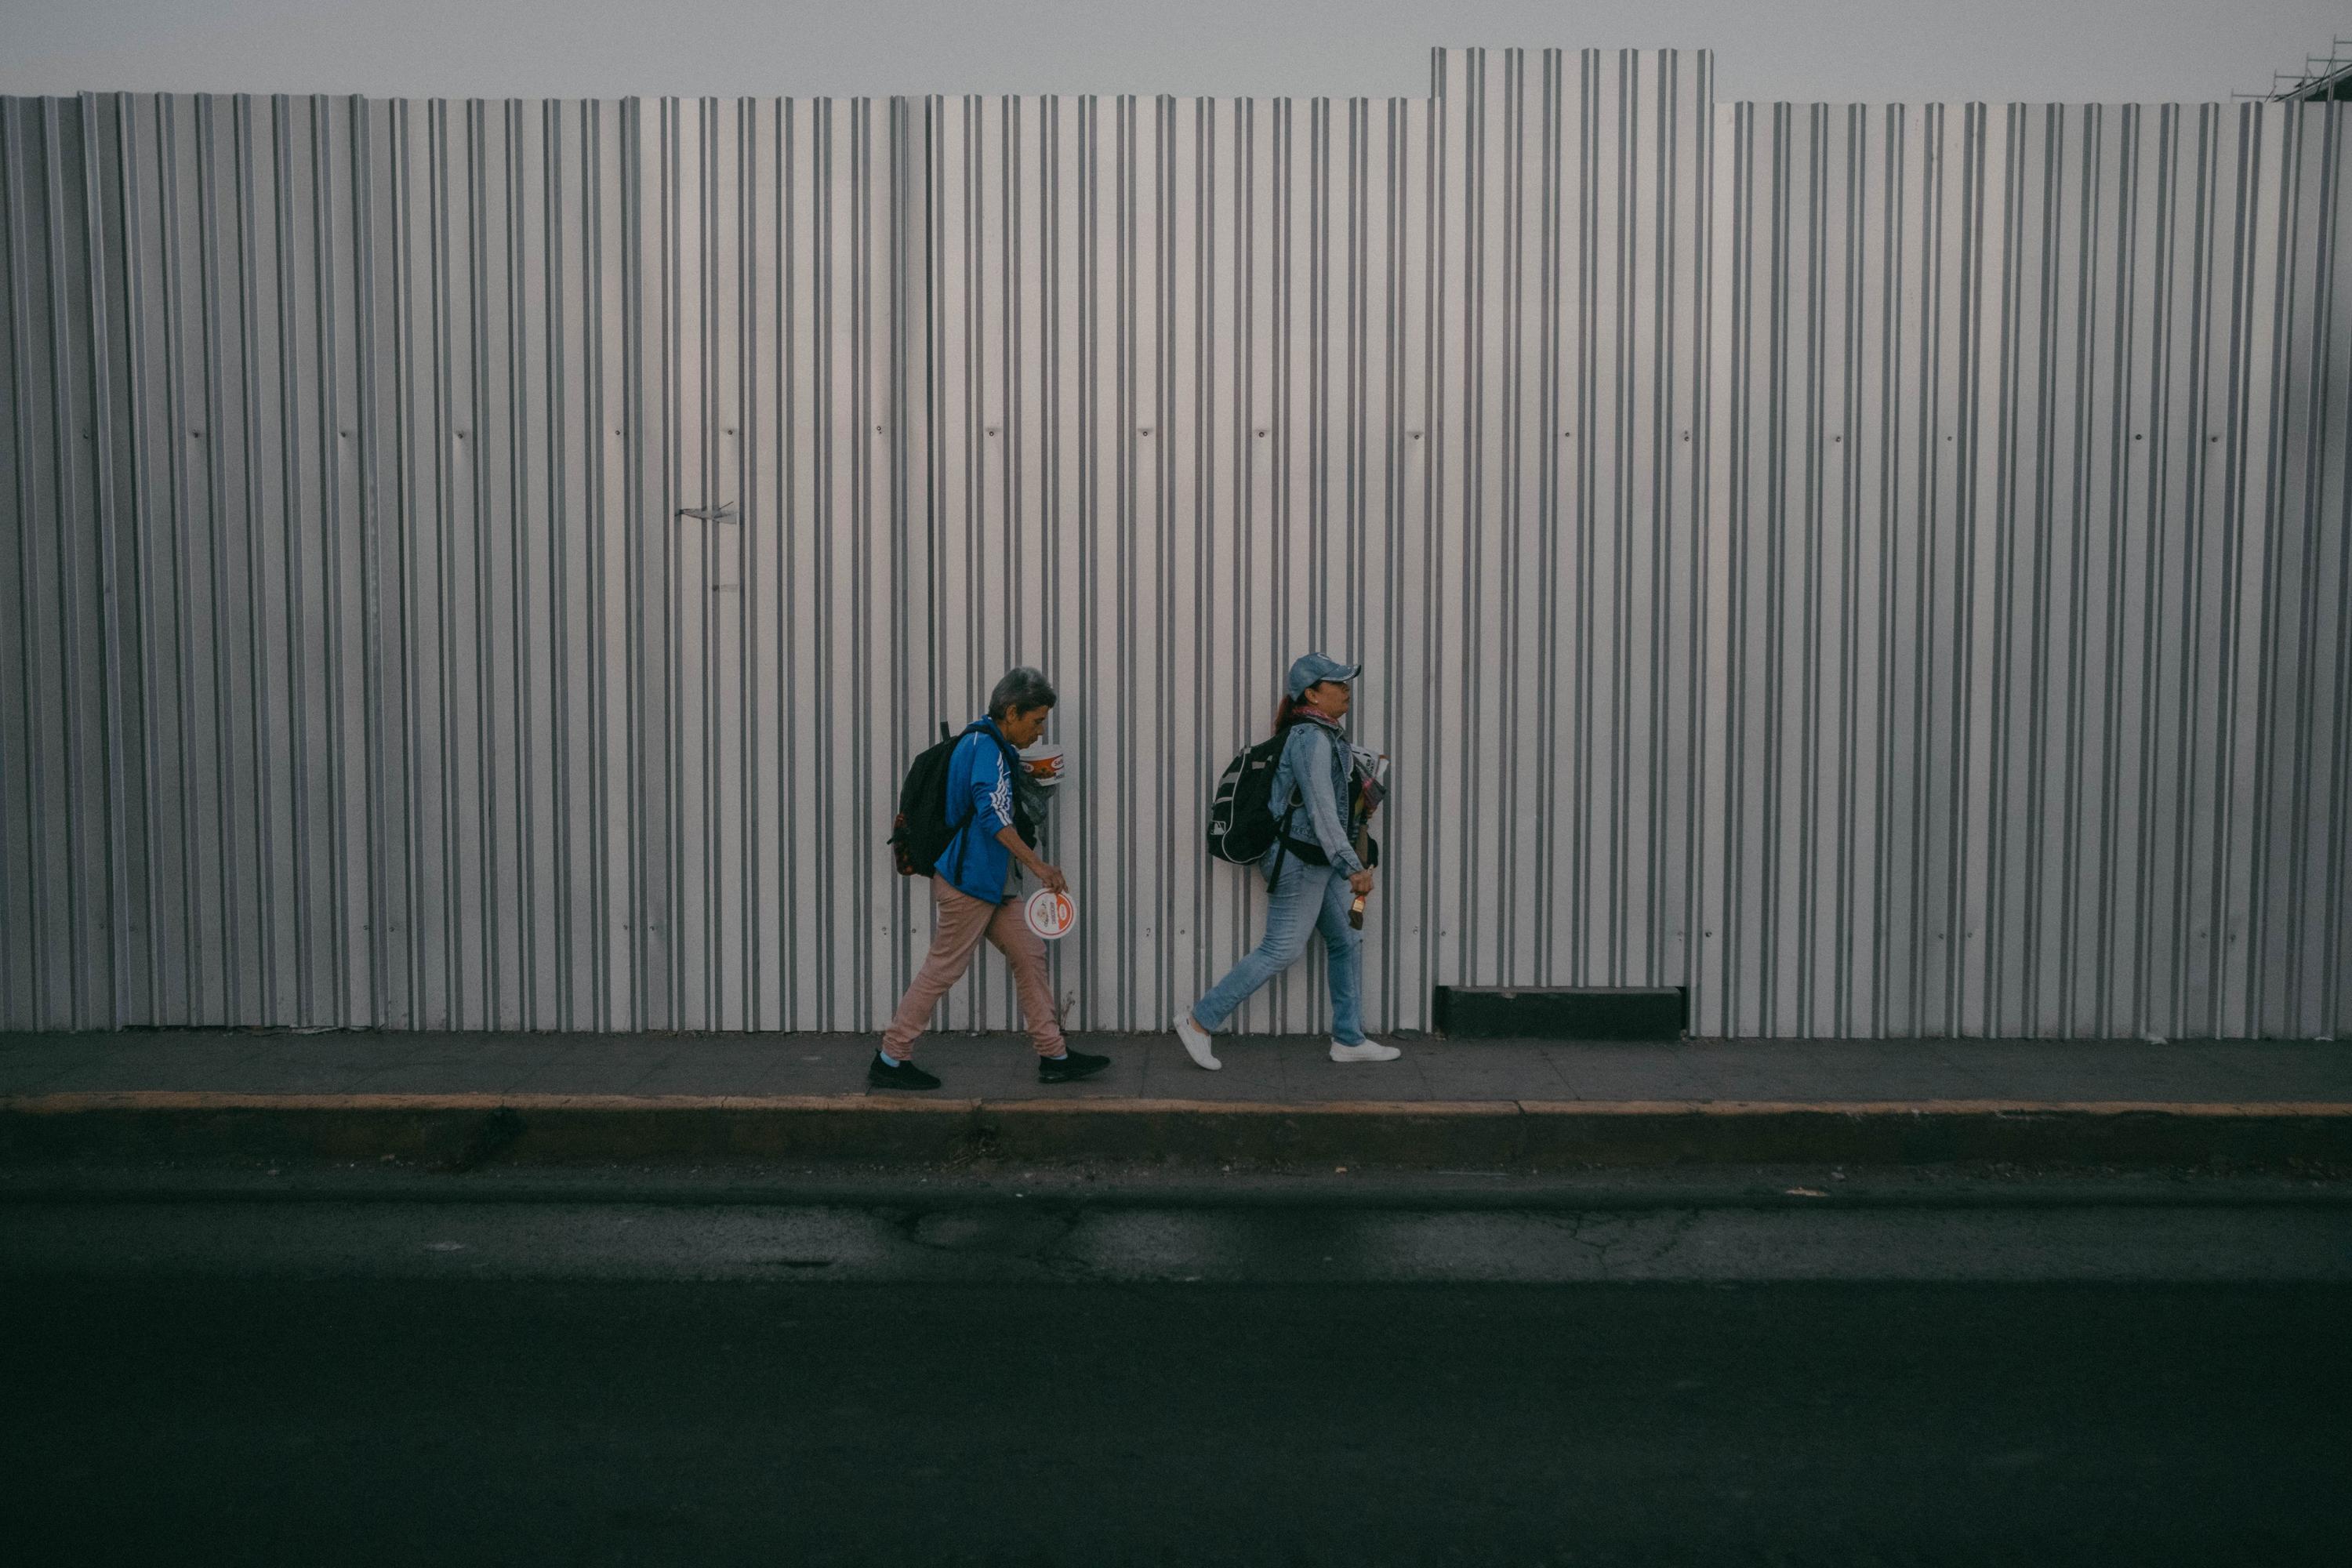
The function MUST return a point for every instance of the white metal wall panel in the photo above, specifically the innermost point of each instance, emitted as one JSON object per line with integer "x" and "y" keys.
{"x": 2029, "y": 584}
{"x": 1173, "y": 454}
{"x": 1563, "y": 507}
{"x": 1881, "y": 568}
{"x": 1220, "y": 382}
{"x": 363, "y": 668}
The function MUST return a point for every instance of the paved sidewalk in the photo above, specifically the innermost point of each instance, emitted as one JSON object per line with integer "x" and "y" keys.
{"x": 458, "y": 1102}
{"x": 1262, "y": 1069}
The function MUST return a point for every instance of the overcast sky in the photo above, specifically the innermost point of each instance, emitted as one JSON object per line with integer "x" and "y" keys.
{"x": 1875, "y": 50}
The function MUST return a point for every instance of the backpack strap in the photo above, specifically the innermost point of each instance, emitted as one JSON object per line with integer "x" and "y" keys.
{"x": 1282, "y": 835}
{"x": 1282, "y": 829}
{"x": 1297, "y": 798}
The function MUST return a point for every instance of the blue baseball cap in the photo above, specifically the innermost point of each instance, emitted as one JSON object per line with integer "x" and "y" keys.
{"x": 1318, "y": 666}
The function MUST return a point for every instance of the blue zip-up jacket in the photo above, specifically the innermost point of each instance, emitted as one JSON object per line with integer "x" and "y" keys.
{"x": 979, "y": 783}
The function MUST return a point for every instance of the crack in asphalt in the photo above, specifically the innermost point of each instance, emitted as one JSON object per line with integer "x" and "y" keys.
{"x": 1606, "y": 1235}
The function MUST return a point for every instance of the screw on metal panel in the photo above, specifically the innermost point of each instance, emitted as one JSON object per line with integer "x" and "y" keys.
{"x": 1144, "y": 430}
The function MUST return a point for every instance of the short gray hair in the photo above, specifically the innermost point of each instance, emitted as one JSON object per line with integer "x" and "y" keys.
{"x": 1022, "y": 688}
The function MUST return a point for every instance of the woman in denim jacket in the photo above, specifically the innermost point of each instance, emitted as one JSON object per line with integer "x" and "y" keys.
{"x": 1310, "y": 795}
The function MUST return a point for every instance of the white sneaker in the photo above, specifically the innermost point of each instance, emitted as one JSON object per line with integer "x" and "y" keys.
{"x": 1196, "y": 1042}
{"x": 1370, "y": 1051}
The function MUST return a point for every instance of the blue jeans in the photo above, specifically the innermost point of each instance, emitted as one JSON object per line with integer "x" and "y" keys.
{"x": 1307, "y": 899}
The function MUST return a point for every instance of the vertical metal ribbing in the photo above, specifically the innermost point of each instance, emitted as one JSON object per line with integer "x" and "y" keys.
{"x": 714, "y": 972}
{"x": 205, "y": 540}
{"x": 348, "y": 165}
{"x": 1427, "y": 782}
{"x": 694, "y": 549}
{"x": 77, "y": 327}
{"x": 798, "y": 562}
{"x": 2330, "y": 509}
{"x": 879, "y": 587}
{"x": 759, "y": 181}
{"x": 2299, "y": 958}
{"x": 606, "y": 329}
{"x": 23, "y": 892}
{"x": 826, "y": 505}
{"x": 292, "y": 542}
{"x": 115, "y": 524}
{"x": 740, "y": 463}
{"x": 400, "y": 554}
{"x": 118, "y": 269}
{"x": 618, "y": 572}
{"x": 1881, "y": 568}
{"x": 106, "y": 994}
{"x": 465, "y": 954}
{"x": 316, "y": 412}
{"x": 2082, "y": 410}
{"x": 333, "y": 305}
{"x": 506, "y": 442}
{"x": 61, "y": 333}
{"x": 671, "y": 571}
{"x": 255, "y": 684}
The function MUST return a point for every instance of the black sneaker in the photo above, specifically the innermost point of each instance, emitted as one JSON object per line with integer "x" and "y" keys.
{"x": 1069, "y": 1068}
{"x": 880, "y": 1074}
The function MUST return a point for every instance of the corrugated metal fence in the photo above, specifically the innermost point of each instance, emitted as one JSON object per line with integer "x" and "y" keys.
{"x": 1881, "y": 568}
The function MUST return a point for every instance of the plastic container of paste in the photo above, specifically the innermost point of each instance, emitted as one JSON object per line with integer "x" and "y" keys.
{"x": 1051, "y": 914}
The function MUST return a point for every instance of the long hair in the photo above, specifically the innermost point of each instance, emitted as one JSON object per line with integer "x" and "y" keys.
{"x": 1286, "y": 713}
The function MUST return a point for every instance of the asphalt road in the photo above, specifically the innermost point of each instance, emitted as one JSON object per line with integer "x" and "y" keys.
{"x": 300, "y": 1406}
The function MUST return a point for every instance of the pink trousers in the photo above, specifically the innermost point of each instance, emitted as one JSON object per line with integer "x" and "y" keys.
{"x": 958, "y": 922}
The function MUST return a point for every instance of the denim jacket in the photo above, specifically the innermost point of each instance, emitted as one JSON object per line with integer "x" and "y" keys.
{"x": 1315, "y": 765}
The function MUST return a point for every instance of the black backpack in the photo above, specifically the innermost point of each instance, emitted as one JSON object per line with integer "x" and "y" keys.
{"x": 1242, "y": 823}
{"x": 922, "y": 832}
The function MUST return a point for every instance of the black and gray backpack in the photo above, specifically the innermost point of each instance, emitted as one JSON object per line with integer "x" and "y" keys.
{"x": 1242, "y": 823}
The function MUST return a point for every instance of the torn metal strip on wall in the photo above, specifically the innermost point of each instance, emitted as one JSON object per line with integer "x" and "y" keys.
{"x": 486, "y": 565}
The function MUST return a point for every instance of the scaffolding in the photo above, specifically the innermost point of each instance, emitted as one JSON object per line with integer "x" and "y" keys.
{"x": 2323, "y": 78}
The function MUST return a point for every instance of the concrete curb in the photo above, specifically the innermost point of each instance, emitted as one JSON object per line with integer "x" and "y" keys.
{"x": 462, "y": 1132}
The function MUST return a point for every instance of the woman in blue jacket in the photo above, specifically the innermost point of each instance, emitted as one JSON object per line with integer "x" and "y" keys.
{"x": 1314, "y": 870}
